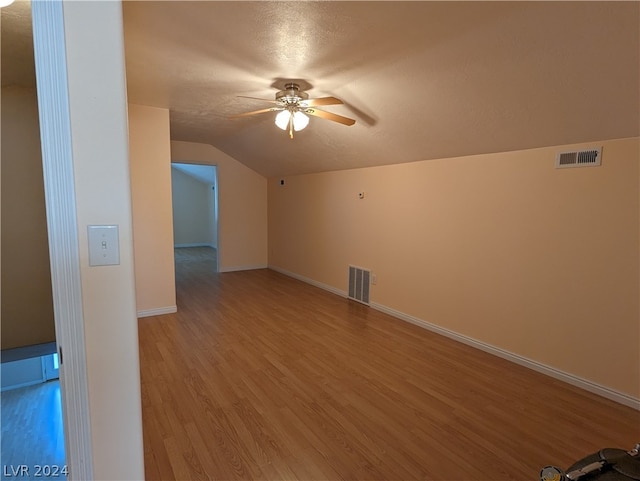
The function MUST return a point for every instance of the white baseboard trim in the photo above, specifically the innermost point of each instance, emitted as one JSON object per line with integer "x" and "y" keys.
{"x": 195, "y": 244}
{"x": 243, "y": 268}
{"x": 24, "y": 384}
{"x": 516, "y": 358}
{"x": 326, "y": 287}
{"x": 157, "y": 312}
{"x": 577, "y": 381}
{"x": 22, "y": 373}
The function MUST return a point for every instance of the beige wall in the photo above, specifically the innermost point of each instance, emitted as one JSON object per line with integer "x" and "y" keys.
{"x": 192, "y": 209}
{"x": 242, "y": 206}
{"x": 27, "y": 304}
{"x": 150, "y": 163}
{"x": 97, "y": 97}
{"x": 502, "y": 248}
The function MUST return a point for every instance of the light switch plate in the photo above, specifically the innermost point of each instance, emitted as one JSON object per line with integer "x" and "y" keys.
{"x": 103, "y": 245}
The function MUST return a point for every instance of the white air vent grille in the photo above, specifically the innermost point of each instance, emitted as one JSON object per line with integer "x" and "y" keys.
{"x": 359, "y": 284}
{"x": 579, "y": 158}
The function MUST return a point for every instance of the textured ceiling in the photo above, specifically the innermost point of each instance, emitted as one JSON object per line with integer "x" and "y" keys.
{"x": 423, "y": 80}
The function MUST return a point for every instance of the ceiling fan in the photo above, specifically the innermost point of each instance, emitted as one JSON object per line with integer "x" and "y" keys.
{"x": 294, "y": 106}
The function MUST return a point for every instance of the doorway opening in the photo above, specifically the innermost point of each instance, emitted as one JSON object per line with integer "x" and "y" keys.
{"x": 194, "y": 189}
{"x": 30, "y": 403}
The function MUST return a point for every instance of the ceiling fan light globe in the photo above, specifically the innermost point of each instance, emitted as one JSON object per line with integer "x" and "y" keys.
{"x": 282, "y": 119}
{"x": 300, "y": 121}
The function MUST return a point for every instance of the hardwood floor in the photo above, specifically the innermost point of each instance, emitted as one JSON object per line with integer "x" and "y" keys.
{"x": 33, "y": 433}
{"x": 260, "y": 376}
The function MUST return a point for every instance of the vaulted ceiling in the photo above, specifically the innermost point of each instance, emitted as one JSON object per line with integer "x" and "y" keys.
{"x": 423, "y": 80}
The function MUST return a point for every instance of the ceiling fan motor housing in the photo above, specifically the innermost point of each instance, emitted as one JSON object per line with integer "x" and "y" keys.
{"x": 292, "y": 104}
{"x": 291, "y": 94}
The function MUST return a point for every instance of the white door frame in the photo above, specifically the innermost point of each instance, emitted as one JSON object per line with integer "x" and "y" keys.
{"x": 215, "y": 206}
{"x": 57, "y": 161}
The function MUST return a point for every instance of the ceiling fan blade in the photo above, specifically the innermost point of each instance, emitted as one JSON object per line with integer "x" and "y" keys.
{"x": 322, "y": 101}
{"x": 256, "y": 98}
{"x": 329, "y": 116}
{"x": 254, "y": 112}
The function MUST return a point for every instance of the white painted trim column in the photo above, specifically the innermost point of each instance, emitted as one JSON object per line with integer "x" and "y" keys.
{"x": 84, "y": 123}
{"x": 57, "y": 159}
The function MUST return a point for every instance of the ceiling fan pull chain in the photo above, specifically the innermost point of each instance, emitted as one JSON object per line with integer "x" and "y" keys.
{"x": 291, "y": 127}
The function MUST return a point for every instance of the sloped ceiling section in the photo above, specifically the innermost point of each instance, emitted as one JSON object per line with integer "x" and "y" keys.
{"x": 423, "y": 80}
{"x": 202, "y": 173}
{"x": 18, "y": 65}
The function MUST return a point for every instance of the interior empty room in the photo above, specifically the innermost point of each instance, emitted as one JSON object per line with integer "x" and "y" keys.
{"x": 319, "y": 240}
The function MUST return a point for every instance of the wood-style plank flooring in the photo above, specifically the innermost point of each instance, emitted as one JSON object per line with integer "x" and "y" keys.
{"x": 32, "y": 433}
{"x": 260, "y": 376}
